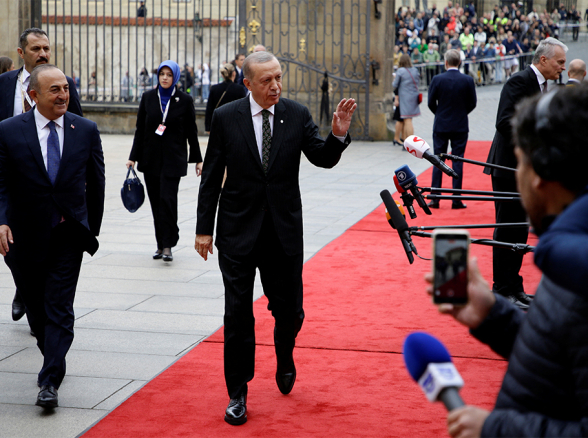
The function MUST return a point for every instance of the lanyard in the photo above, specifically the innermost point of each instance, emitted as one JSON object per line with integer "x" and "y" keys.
{"x": 24, "y": 94}
{"x": 167, "y": 105}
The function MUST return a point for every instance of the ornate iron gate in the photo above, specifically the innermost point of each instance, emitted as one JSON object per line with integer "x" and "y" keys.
{"x": 311, "y": 37}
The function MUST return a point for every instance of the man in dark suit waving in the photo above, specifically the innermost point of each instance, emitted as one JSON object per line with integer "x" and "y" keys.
{"x": 259, "y": 140}
{"x": 51, "y": 206}
{"x": 34, "y": 49}
{"x": 452, "y": 96}
{"x": 548, "y": 63}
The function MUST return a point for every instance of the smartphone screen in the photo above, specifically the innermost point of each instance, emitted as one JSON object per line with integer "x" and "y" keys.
{"x": 451, "y": 268}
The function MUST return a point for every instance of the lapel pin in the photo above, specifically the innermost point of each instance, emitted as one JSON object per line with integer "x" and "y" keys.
{"x": 281, "y": 121}
{"x": 72, "y": 126}
{"x": 177, "y": 99}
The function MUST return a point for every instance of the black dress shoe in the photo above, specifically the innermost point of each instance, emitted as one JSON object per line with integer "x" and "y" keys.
{"x": 523, "y": 298}
{"x": 458, "y": 205}
{"x": 47, "y": 397}
{"x": 433, "y": 204}
{"x": 285, "y": 381}
{"x": 236, "y": 413}
{"x": 513, "y": 299}
{"x": 157, "y": 255}
{"x": 18, "y": 307}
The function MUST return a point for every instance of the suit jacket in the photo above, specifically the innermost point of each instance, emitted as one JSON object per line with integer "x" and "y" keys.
{"x": 233, "y": 92}
{"x": 452, "y": 96}
{"x": 28, "y": 200}
{"x": 8, "y": 86}
{"x": 520, "y": 85}
{"x": 247, "y": 192}
{"x": 166, "y": 154}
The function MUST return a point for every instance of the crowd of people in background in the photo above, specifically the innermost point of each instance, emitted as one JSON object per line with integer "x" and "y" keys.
{"x": 194, "y": 81}
{"x": 492, "y": 46}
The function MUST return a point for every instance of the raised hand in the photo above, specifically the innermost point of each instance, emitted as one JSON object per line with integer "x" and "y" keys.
{"x": 342, "y": 117}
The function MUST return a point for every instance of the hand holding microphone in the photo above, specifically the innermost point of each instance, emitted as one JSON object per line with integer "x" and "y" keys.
{"x": 430, "y": 365}
{"x": 420, "y": 149}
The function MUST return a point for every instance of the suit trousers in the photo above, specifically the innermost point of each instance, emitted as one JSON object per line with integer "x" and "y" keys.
{"x": 48, "y": 292}
{"x": 281, "y": 278}
{"x": 163, "y": 197}
{"x": 441, "y": 141}
{"x": 506, "y": 263}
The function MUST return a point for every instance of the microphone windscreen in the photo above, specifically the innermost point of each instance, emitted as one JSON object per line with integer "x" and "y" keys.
{"x": 419, "y": 350}
{"x": 406, "y": 177}
{"x": 399, "y": 188}
{"x": 416, "y": 146}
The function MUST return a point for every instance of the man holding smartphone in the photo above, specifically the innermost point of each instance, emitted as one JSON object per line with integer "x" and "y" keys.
{"x": 545, "y": 389}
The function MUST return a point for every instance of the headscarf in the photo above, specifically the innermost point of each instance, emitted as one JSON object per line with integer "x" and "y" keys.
{"x": 165, "y": 93}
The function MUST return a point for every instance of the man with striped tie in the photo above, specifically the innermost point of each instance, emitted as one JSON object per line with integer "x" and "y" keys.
{"x": 51, "y": 207}
{"x": 34, "y": 49}
{"x": 548, "y": 63}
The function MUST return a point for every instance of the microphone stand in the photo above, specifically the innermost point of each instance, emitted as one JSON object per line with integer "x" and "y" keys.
{"x": 473, "y": 198}
{"x": 434, "y": 190}
{"x": 516, "y": 247}
{"x": 474, "y": 226}
{"x": 478, "y": 163}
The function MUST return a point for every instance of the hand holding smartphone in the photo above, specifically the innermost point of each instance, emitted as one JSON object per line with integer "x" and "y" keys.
{"x": 450, "y": 266}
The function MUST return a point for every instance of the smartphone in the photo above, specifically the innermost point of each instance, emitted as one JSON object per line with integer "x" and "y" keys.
{"x": 450, "y": 266}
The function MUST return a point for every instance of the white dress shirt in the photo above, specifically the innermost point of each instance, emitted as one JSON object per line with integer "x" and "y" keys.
{"x": 22, "y": 81}
{"x": 258, "y": 123}
{"x": 540, "y": 78}
{"x": 43, "y": 133}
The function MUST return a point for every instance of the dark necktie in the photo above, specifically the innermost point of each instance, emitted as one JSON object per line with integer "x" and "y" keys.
{"x": 266, "y": 140}
{"x": 544, "y": 87}
{"x": 53, "y": 153}
{"x": 27, "y": 105}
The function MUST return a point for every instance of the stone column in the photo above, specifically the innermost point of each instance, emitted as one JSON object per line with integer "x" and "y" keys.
{"x": 382, "y": 51}
{"x": 16, "y": 16}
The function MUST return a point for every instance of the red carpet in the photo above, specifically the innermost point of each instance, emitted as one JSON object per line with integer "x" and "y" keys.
{"x": 362, "y": 298}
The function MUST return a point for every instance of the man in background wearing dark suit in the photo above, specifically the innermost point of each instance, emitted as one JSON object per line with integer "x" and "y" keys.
{"x": 452, "y": 96}
{"x": 548, "y": 63}
{"x": 34, "y": 49}
{"x": 51, "y": 206}
{"x": 576, "y": 72}
{"x": 238, "y": 64}
{"x": 259, "y": 140}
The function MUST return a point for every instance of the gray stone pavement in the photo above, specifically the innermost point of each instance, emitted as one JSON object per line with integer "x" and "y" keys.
{"x": 136, "y": 316}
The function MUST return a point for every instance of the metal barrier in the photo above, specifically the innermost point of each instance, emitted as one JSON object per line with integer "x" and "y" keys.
{"x": 111, "y": 48}
{"x": 485, "y": 71}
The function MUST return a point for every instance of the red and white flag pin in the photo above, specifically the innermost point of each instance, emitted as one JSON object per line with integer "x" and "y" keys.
{"x": 72, "y": 126}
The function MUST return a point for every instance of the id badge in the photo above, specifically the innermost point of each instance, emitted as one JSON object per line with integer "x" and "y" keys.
{"x": 160, "y": 129}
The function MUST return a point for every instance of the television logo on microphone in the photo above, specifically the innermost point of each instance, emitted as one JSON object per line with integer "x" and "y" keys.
{"x": 437, "y": 377}
{"x": 401, "y": 176}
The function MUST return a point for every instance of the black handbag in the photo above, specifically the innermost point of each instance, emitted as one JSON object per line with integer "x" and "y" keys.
{"x": 132, "y": 192}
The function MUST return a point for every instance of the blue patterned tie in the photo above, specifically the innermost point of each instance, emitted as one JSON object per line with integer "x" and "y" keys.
{"x": 267, "y": 140}
{"x": 53, "y": 153}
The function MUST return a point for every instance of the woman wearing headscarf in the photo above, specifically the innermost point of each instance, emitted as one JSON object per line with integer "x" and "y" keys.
{"x": 225, "y": 92}
{"x": 165, "y": 121}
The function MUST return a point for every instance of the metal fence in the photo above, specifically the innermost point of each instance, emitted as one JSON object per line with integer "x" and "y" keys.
{"x": 111, "y": 48}
{"x": 484, "y": 72}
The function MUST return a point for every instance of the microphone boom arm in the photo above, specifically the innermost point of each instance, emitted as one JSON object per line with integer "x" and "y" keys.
{"x": 478, "y": 163}
{"x": 516, "y": 247}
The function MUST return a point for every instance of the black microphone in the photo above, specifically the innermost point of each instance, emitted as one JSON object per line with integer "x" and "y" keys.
{"x": 399, "y": 223}
{"x": 408, "y": 181}
{"x": 420, "y": 149}
{"x": 407, "y": 199}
